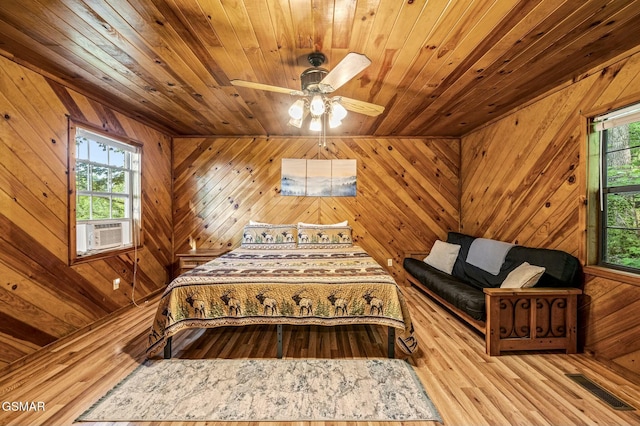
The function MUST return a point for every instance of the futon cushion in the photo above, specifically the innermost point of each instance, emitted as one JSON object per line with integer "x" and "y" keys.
{"x": 464, "y": 241}
{"x": 455, "y": 291}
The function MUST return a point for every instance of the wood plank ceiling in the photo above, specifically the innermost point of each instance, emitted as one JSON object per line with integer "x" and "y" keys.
{"x": 440, "y": 67}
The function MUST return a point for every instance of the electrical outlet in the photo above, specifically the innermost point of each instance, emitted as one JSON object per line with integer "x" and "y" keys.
{"x": 116, "y": 283}
{"x": 389, "y": 262}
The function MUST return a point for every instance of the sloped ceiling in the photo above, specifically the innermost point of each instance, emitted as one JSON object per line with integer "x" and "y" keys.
{"x": 440, "y": 67}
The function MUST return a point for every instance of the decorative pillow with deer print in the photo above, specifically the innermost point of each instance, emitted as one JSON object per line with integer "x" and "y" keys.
{"x": 269, "y": 237}
{"x": 324, "y": 237}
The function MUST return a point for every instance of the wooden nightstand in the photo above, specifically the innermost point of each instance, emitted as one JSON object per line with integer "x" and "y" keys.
{"x": 192, "y": 258}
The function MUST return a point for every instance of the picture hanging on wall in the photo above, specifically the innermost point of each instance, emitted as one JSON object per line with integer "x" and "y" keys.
{"x": 318, "y": 178}
{"x": 343, "y": 178}
{"x": 293, "y": 177}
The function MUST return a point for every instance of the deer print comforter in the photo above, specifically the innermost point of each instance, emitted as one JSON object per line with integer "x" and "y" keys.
{"x": 305, "y": 287}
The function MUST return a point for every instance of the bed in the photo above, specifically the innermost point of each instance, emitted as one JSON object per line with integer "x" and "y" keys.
{"x": 319, "y": 278}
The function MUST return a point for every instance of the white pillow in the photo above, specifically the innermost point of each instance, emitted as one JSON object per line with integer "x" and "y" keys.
{"x": 253, "y": 222}
{"x": 345, "y": 223}
{"x": 443, "y": 256}
{"x": 524, "y": 276}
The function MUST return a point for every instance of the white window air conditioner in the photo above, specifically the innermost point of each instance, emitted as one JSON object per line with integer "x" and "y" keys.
{"x": 106, "y": 235}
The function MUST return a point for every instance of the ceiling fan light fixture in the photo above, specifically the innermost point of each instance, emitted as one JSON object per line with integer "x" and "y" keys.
{"x": 316, "y": 107}
{"x": 316, "y": 124}
{"x": 296, "y": 122}
{"x": 296, "y": 111}
{"x": 333, "y": 122}
{"x": 337, "y": 110}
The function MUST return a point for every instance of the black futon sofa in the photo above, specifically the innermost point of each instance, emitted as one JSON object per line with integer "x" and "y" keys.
{"x": 504, "y": 315}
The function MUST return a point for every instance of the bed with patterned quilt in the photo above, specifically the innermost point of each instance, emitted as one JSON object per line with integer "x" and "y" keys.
{"x": 285, "y": 274}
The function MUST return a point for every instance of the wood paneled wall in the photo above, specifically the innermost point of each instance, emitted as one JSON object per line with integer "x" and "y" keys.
{"x": 407, "y": 191}
{"x": 42, "y": 298}
{"x": 523, "y": 180}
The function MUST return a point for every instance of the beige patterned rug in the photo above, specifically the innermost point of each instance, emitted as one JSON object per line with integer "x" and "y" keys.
{"x": 266, "y": 390}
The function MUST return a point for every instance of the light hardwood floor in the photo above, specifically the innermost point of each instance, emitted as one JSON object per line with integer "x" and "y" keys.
{"x": 467, "y": 386}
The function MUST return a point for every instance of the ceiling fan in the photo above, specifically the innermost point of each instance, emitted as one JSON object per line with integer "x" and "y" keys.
{"x": 317, "y": 83}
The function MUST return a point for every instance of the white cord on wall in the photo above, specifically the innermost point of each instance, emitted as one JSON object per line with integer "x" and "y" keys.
{"x": 135, "y": 261}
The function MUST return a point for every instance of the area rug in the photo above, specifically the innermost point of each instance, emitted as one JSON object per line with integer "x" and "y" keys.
{"x": 266, "y": 390}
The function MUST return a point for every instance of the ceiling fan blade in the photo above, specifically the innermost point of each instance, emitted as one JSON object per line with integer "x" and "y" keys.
{"x": 346, "y": 69}
{"x": 361, "y": 107}
{"x": 269, "y": 88}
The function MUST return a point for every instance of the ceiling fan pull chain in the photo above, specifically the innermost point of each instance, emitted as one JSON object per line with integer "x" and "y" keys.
{"x": 324, "y": 131}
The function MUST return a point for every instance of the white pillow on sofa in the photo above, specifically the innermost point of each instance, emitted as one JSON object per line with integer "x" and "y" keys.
{"x": 443, "y": 256}
{"x": 524, "y": 276}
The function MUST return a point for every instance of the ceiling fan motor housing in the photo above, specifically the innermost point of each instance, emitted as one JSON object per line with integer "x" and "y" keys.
{"x": 310, "y": 78}
{"x": 316, "y": 58}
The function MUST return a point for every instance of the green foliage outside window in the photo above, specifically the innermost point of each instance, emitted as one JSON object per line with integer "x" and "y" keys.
{"x": 622, "y": 196}
{"x": 102, "y": 180}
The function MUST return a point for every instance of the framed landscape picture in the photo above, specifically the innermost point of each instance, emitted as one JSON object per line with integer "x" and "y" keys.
{"x": 318, "y": 178}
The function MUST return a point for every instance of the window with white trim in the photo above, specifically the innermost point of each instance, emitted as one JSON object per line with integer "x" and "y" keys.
{"x": 106, "y": 174}
{"x": 617, "y": 136}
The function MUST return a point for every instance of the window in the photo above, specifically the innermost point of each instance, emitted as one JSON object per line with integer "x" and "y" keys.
{"x": 618, "y": 137}
{"x": 106, "y": 180}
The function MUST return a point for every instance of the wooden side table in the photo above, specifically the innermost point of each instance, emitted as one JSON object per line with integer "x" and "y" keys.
{"x": 192, "y": 258}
